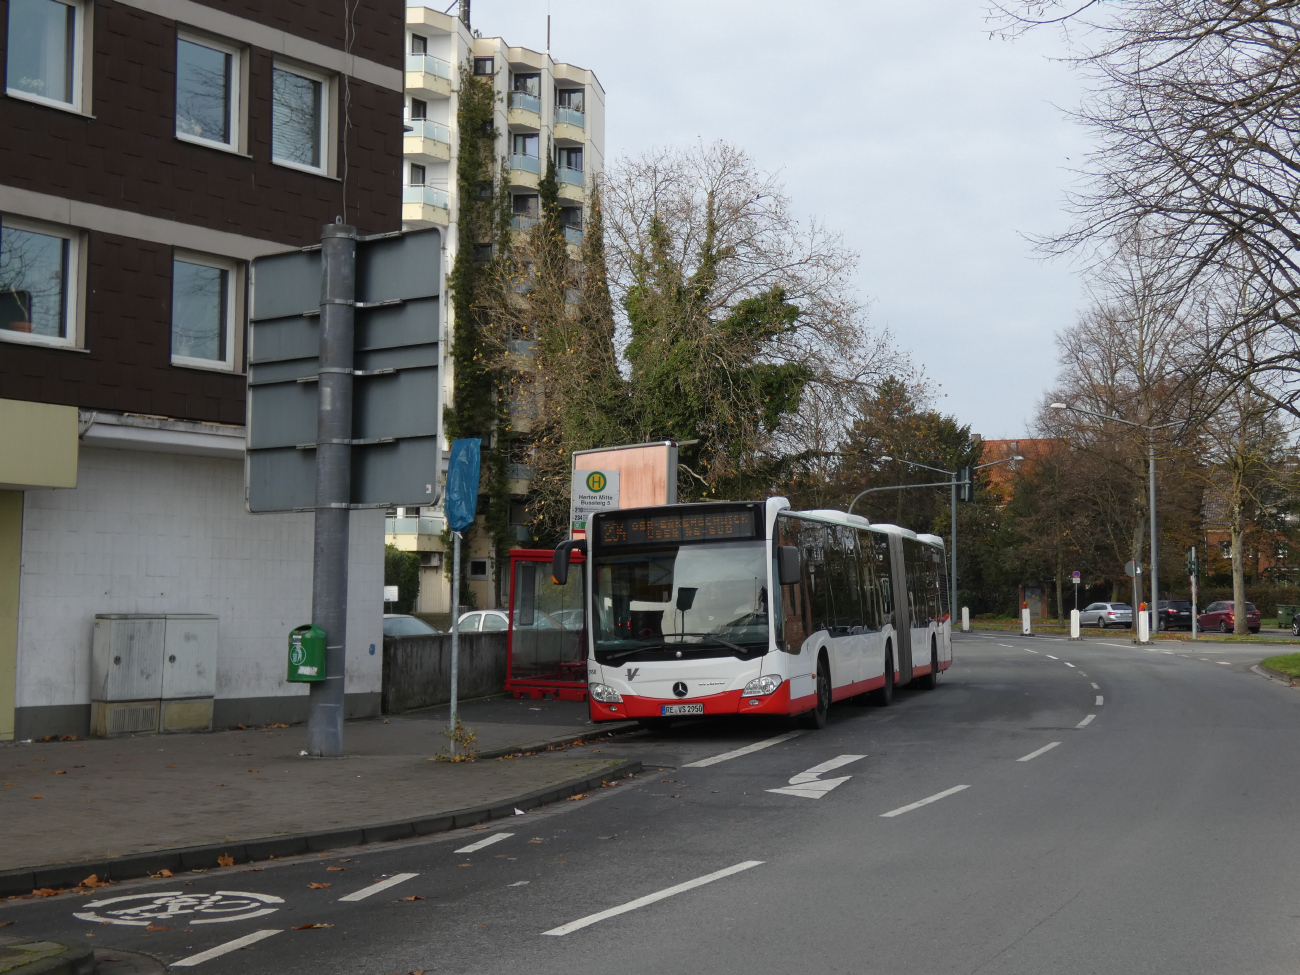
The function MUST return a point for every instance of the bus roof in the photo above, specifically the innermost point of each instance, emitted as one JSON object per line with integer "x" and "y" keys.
{"x": 857, "y": 521}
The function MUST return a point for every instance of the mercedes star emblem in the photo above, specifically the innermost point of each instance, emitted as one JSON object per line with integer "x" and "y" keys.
{"x": 680, "y": 688}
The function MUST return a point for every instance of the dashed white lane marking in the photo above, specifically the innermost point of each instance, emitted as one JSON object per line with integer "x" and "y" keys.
{"x": 1099, "y": 700}
{"x": 1122, "y": 646}
{"x": 393, "y": 881}
{"x": 1050, "y": 657}
{"x": 1223, "y": 663}
{"x": 1068, "y": 664}
{"x": 1007, "y": 645}
{"x": 518, "y": 883}
{"x": 590, "y": 919}
{"x": 807, "y": 785}
{"x": 924, "y": 802}
{"x": 1027, "y": 650}
{"x": 1033, "y": 755}
{"x": 225, "y": 949}
{"x": 1086, "y": 721}
{"x": 1095, "y": 686}
{"x": 1169, "y": 652}
{"x": 485, "y": 841}
{"x": 758, "y": 746}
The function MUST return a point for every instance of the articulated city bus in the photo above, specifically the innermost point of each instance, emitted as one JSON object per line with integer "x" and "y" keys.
{"x": 751, "y": 608}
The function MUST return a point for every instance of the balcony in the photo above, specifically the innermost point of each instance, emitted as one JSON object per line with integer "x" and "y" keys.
{"x": 424, "y": 137}
{"x": 413, "y": 526}
{"x": 527, "y": 164}
{"x": 571, "y": 176}
{"x": 428, "y": 75}
{"x": 523, "y": 221}
{"x": 573, "y": 235}
{"x": 525, "y": 102}
{"x": 571, "y": 116}
{"x": 425, "y": 206}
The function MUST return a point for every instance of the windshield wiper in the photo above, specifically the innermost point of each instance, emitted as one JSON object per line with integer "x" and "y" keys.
{"x": 717, "y": 641}
{"x": 713, "y": 641}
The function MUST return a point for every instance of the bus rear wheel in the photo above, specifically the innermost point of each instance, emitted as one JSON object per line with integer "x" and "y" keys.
{"x": 816, "y": 718}
{"x": 882, "y": 696}
{"x": 931, "y": 680}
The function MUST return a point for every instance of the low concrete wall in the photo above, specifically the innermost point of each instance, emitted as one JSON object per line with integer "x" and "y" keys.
{"x": 417, "y": 669}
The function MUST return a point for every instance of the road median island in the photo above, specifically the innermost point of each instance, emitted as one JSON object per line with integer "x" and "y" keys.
{"x": 1283, "y": 667}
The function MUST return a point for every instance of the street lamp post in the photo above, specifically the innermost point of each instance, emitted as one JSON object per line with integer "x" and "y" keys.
{"x": 953, "y": 483}
{"x": 1151, "y": 429}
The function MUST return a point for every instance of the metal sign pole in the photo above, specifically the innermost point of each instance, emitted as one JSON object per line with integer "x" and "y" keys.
{"x": 455, "y": 634}
{"x": 329, "y": 588}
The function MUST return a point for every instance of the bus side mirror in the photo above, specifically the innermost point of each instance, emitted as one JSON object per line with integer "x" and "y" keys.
{"x": 560, "y": 560}
{"x": 787, "y": 565}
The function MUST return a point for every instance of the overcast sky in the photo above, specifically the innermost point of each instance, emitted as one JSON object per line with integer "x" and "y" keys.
{"x": 931, "y": 147}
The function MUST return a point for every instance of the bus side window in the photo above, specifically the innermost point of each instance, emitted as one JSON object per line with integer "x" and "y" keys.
{"x": 869, "y": 573}
{"x": 845, "y": 583}
{"x": 884, "y": 577}
{"x": 821, "y": 611}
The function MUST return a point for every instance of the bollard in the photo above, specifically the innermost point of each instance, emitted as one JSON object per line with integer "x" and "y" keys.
{"x": 965, "y": 619}
{"x": 1026, "y": 627}
{"x": 1074, "y": 625}
{"x": 1143, "y": 628}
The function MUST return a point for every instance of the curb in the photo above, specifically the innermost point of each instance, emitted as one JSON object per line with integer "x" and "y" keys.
{"x": 1274, "y": 675}
{"x": 76, "y": 958}
{"x": 136, "y": 865}
{"x": 614, "y": 728}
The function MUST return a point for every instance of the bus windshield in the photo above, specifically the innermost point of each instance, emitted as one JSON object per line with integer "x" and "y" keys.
{"x": 705, "y": 599}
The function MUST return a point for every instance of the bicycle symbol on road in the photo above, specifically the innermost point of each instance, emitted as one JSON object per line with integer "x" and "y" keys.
{"x": 139, "y": 910}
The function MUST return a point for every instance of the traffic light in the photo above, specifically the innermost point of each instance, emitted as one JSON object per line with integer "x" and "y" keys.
{"x": 1191, "y": 562}
{"x": 965, "y": 484}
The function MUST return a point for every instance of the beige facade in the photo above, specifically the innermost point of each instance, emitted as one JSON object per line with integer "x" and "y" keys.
{"x": 543, "y": 106}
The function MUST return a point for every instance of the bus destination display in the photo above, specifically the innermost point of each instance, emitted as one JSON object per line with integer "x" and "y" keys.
{"x": 677, "y": 528}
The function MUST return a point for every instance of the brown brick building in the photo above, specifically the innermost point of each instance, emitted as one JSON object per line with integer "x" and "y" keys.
{"x": 152, "y": 149}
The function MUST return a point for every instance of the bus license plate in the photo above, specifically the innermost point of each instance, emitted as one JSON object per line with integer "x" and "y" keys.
{"x": 669, "y": 710}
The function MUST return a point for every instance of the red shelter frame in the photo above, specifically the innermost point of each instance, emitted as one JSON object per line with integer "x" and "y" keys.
{"x": 570, "y": 684}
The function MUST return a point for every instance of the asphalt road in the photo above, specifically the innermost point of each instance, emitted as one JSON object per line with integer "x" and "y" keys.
{"x": 1130, "y": 813}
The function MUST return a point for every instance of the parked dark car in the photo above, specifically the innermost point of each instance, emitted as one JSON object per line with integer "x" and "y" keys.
{"x": 400, "y": 624}
{"x": 1175, "y": 614}
{"x": 1219, "y": 616}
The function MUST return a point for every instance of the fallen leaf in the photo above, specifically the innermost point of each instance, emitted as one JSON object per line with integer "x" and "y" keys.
{"x": 253, "y": 870}
{"x": 276, "y": 726}
{"x": 46, "y": 891}
{"x": 59, "y": 771}
{"x": 164, "y": 872}
{"x": 94, "y": 881}
{"x": 5, "y": 924}
{"x": 225, "y": 860}
{"x": 169, "y": 766}
{"x": 413, "y": 897}
{"x": 580, "y": 795}
{"x": 158, "y": 927}
{"x": 316, "y": 886}
{"x": 464, "y": 864}
{"x": 604, "y": 837}
{"x": 536, "y": 839}
{"x": 240, "y": 727}
{"x": 308, "y": 927}
{"x": 38, "y": 797}
{"x": 332, "y": 869}
{"x": 199, "y": 870}
{"x": 478, "y": 827}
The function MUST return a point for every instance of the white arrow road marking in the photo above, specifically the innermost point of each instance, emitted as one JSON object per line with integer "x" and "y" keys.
{"x": 1086, "y": 721}
{"x": 807, "y": 785}
{"x": 1045, "y": 748}
{"x": 924, "y": 802}
{"x": 225, "y": 949}
{"x": 590, "y": 919}
{"x": 393, "y": 881}
{"x": 485, "y": 841}
{"x": 758, "y": 746}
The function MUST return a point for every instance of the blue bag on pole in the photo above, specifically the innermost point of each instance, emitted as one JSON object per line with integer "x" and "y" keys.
{"x": 462, "y": 484}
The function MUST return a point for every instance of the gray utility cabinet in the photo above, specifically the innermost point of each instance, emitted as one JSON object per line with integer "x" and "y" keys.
{"x": 152, "y": 672}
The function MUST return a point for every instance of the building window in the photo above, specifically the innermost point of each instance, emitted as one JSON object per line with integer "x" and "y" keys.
{"x": 569, "y": 159}
{"x": 523, "y": 145}
{"x": 478, "y": 569}
{"x": 299, "y": 113}
{"x": 203, "y": 311}
{"x": 417, "y": 174}
{"x": 419, "y": 44}
{"x": 38, "y": 283}
{"x": 571, "y": 98}
{"x": 482, "y": 253}
{"x": 525, "y": 205}
{"x": 44, "y": 54}
{"x": 419, "y": 108}
{"x": 484, "y": 66}
{"x": 529, "y": 84}
{"x": 207, "y": 92}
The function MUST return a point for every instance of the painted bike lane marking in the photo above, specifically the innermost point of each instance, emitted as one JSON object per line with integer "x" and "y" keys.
{"x": 222, "y": 907}
{"x": 393, "y": 881}
{"x": 924, "y": 802}
{"x": 224, "y": 949}
{"x": 758, "y": 746}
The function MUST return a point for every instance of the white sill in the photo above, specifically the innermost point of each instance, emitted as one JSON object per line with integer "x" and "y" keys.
{"x": 209, "y": 144}
{"x": 302, "y": 169}
{"x": 27, "y": 338}
{"x": 211, "y": 365}
{"x": 27, "y": 96}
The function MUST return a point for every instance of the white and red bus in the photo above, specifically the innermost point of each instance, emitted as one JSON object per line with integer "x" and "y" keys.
{"x": 752, "y": 608}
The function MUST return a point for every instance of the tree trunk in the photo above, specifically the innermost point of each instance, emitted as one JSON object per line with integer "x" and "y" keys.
{"x": 1060, "y": 604}
{"x": 1239, "y": 623}
{"x": 1139, "y": 534}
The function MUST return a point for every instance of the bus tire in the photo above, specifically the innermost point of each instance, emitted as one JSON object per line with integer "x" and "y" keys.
{"x": 882, "y": 696}
{"x": 816, "y": 718}
{"x": 931, "y": 680}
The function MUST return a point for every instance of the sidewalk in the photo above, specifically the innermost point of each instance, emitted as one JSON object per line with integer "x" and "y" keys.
{"x": 89, "y": 801}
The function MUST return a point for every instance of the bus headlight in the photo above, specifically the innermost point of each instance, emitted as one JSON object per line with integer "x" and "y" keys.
{"x": 761, "y": 686}
{"x": 604, "y": 693}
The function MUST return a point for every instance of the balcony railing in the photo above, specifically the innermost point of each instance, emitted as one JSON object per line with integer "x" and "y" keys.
{"x": 428, "y": 129}
{"x": 522, "y": 472}
{"x": 523, "y": 221}
{"x": 525, "y": 101}
{"x": 571, "y": 176}
{"x": 573, "y": 235}
{"x": 413, "y": 526}
{"x": 528, "y": 164}
{"x": 572, "y": 116}
{"x": 429, "y": 65}
{"x": 428, "y": 195}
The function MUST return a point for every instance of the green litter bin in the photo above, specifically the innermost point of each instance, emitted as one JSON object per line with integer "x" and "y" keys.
{"x": 1285, "y": 612}
{"x": 306, "y": 653}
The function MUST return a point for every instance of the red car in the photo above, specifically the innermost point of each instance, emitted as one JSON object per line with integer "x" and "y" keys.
{"x": 1219, "y": 616}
